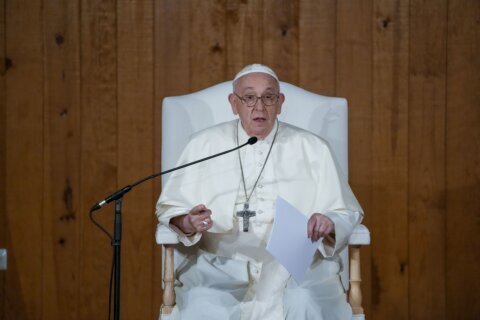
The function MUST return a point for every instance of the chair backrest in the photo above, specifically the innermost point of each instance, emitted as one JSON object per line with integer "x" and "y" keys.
{"x": 324, "y": 116}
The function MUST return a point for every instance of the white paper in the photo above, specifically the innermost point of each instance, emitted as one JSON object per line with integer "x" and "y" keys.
{"x": 289, "y": 242}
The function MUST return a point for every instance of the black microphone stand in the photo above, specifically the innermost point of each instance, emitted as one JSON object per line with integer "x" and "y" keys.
{"x": 117, "y": 243}
{"x": 117, "y": 230}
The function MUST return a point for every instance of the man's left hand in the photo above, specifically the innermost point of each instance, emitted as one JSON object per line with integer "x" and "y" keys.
{"x": 319, "y": 225}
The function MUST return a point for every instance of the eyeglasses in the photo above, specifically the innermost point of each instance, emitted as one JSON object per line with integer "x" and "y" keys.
{"x": 250, "y": 100}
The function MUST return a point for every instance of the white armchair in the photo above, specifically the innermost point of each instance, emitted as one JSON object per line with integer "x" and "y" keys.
{"x": 327, "y": 117}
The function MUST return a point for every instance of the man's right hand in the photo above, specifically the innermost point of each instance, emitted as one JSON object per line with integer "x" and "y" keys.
{"x": 197, "y": 220}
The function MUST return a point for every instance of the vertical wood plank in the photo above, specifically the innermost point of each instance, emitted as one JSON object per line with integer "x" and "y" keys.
{"x": 426, "y": 145}
{"x": 316, "y": 55}
{"x": 61, "y": 167}
{"x": 463, "y": 158}
{"x": 3, "y": 149}
{"x": 24, "y": 158}
{"x": 244, "y": 34}
{"x": 207, "y": 43}
{"x": 354, "y": 82}
{"x": 389, "y": 222}
{"x": 280, "y": 38}
{"x": 172, "y": 77}
{"x": 135, "y": 153}
{"x": 99, "y": 150}
{"x": 172, "y": 48}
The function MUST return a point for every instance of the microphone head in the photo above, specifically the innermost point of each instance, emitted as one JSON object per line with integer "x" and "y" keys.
{"x": 252, "y": 140}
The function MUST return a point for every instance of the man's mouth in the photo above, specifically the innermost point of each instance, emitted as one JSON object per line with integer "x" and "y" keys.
{"x": 259, "y": 119}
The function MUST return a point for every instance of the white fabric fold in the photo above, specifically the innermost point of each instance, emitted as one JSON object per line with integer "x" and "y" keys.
{"x": 233, "y": 274}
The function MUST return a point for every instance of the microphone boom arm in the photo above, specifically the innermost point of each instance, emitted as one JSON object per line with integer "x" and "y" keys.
{"x": 119, "y": 193}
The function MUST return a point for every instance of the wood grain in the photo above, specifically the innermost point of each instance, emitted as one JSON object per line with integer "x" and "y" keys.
{"x": 81, "y": 86}
{"x": 389, "y": 223}
{"x": 61, "y": 152}
{"x": 99, "y": 157}
{"x": 207, "y": 43}
{"x": 280, "y": 38}
{"x": 135, "y": 152}
{"x": 317, "y": 49}
{"x": 244, "y": 35}
{"x": 354, "y": 82}
{"x": 463, "y": 159}
{"x": 3, "y": 162}
{"x": 426, "y": 146}
{"x": 24, "y": 159}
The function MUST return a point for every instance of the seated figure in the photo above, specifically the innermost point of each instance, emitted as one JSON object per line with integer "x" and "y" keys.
{"x": 226, "y": 207}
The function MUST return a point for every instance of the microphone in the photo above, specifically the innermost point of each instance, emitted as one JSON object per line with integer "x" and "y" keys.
{"x": 252, "y": 140}
{"x": 119, "y": 193}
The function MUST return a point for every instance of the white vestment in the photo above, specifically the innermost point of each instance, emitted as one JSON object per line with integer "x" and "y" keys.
{"x": 231, "y": 275}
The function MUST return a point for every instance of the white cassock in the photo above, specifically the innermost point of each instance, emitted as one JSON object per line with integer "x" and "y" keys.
{"x": 231, "y": 275}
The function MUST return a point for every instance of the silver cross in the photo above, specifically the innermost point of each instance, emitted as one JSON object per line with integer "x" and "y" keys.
{"x": 246, "y": 215}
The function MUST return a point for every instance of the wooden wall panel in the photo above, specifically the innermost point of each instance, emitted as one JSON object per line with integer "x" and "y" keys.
{"x": 61, "y": 153}
{"x": 389, "y": 219}
{"x": 354, "y": 82}
{"x": 99, "y": 157}
{"x": 280, "y": 38}
{"x": 244, "y": 35}
{"x": 172, "y": 49}
{"x": 207, "y": 43}
{"x": 463, "y": 161}
{"x": 3, "y": 164}
{"x": 316, "y": 48}
{"x": 135, "y": 153}
{"x": 172, "y": 70}
{"x": 80, "y": 116}
{"x": 24, "y": 159}
{"x": 426, "y": 146}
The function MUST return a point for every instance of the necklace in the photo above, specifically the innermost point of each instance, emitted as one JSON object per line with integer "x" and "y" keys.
{"x": 246, "y": 214}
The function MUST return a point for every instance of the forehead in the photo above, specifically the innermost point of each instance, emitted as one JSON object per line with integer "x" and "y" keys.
{"x": 256, "y": 81}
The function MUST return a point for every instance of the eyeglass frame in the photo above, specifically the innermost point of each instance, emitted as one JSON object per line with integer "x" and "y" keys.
{"x": 277, "y": 96}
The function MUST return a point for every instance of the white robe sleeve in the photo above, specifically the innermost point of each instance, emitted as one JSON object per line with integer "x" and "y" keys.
{"x": 342, "y": 206}
{"x": 345, "y": 221}
{"x": 165, "y": 215}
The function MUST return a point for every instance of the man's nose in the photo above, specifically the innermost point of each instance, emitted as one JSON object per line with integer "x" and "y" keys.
{"x": 259, "y": 105}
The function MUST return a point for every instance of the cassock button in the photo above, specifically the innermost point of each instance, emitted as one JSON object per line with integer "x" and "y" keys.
{"x": 260, "y": 186}
{"x": 260, "y": 211}
{"x": 260, "y": 164}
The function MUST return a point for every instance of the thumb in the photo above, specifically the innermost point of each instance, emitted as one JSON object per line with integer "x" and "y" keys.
{"x": 198, "y": 209}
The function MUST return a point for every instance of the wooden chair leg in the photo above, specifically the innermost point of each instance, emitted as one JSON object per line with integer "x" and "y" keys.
{"x": 168, "y": 281}
{"x": 355, "y": 293}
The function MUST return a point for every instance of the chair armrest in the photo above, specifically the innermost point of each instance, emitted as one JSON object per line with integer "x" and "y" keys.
{"x": 165, "y": 235}
{"x": 359, "y": 236}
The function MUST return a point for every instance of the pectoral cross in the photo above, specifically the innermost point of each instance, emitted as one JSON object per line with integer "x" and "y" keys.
{"x": 245, "y": 214}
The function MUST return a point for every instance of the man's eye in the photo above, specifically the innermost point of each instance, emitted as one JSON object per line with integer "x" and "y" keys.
{"x": 268, "y": 96}
{"x": 249, "y": 98}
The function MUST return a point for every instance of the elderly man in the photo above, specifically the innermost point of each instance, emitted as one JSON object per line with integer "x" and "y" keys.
{"x": 231, "y": 275}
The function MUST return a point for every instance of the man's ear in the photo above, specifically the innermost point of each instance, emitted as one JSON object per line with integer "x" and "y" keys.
{"x": 233, "y": 104}
{"x": 281, "y": 100}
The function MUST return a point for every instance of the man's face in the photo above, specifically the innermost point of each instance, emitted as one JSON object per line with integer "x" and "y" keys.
{"x": 259, "y": 119}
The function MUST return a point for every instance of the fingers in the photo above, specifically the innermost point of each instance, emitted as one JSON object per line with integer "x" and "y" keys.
{"x": 310, "y": 226}
{"x": 200, "y": 218}
{"x": 319, "y": 226}
{"x": 198, "y": 209}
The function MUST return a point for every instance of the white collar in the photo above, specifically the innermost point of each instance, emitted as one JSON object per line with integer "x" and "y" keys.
{"x": 243, "y": 136}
